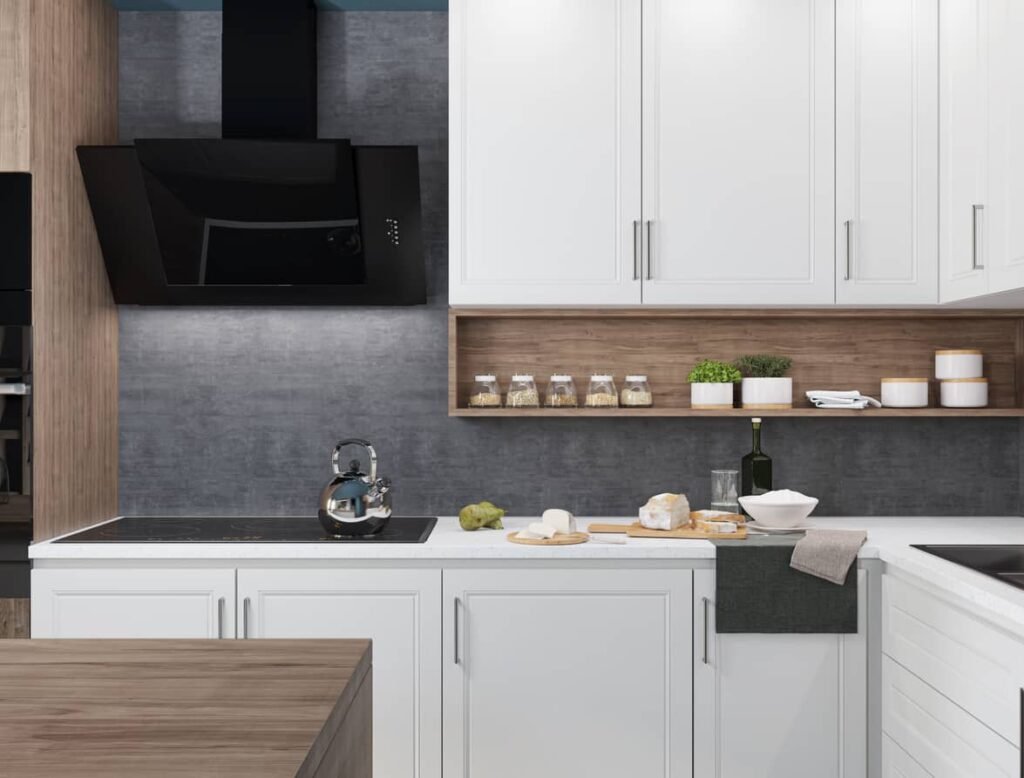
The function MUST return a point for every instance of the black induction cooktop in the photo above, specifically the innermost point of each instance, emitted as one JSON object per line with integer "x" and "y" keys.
{"x": 262, "y": 529}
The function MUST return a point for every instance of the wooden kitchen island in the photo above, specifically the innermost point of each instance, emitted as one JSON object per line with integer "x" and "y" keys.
{"x": 185, "y": 707}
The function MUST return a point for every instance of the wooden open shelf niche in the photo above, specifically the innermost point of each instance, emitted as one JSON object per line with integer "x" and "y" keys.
{"x": 830, "y": 349}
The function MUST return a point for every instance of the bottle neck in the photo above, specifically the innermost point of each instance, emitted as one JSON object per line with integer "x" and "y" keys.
{"x": 757, "y": 439}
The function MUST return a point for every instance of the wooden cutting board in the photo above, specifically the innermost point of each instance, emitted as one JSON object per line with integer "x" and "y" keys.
{"x": 635, "y": 530}
{"x": 558, "y": 540}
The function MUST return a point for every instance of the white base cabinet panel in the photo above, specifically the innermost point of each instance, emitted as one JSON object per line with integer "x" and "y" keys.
{"x": 778, "y": 706}
{"x": 555, "y": 673}
{"x": 399, "y": 610}
{"x": 897, "y": 763}
{"x": 123, "y": 603}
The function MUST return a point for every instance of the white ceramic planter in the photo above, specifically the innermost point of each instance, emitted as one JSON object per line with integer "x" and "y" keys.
{"x": 964, "y": 393}
{"x": 711, "y": 396}
{"x": 958, "y": 363}
{"x": 905, "y": 392}
{"x": 767, "y": 393}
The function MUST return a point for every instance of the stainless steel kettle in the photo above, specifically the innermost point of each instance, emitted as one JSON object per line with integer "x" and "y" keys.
{"x": 355, "y": 503}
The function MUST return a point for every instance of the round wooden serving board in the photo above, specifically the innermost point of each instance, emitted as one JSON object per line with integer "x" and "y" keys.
{"x": 558, "y": 540}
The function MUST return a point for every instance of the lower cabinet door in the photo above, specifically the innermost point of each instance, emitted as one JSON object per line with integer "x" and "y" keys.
{"x": 123, "y": 603}
{"x": 399, "y": 610}
{"x": 897, "y": 763}
{"x": 557, "y": 673}
{"x": 778, "y": 706}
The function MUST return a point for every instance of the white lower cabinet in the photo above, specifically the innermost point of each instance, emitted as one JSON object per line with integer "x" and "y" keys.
{"x": 897, "y": 763}
{"x": 133, "y": 603}
{"x": 778, "y": 706}
{"x": 399, "y": 610}
{"x": 555, "y": 673}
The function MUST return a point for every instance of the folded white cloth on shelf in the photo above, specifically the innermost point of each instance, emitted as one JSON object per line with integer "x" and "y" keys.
{"x": 836, "y": 398}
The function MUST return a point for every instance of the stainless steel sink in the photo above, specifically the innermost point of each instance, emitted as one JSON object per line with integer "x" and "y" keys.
{"x": 1003, "y": 562}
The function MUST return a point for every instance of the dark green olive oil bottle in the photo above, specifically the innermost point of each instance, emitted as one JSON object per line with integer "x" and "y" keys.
{"x": 756, "y": 468}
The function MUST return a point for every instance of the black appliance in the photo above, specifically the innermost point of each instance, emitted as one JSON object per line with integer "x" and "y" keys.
{"x": 269, "y": 214}
{"x": 1003, "y": 562}
{"x": 262, "y": 529}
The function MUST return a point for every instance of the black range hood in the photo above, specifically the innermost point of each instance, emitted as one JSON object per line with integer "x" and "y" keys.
{"x": 268, "y": 215}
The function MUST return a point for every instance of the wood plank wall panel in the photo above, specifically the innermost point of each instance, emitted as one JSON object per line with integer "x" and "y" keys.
{"x": 15, "y": 149}
{"x": 15, "y": 616}
{"x": 74, "y": 101}
{"x": 830, "y": 350}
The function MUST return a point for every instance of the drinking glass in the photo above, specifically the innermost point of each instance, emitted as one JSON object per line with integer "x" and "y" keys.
{"x": 725, "y": 490}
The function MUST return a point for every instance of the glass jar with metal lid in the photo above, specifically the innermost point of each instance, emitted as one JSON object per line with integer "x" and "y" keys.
{"x": 636, "y": 392}
{"x": 522, "y": 392}
{"x": 561, "y": 392}
{"x": 602, "y": 393}
{"x": 485, "y": 393}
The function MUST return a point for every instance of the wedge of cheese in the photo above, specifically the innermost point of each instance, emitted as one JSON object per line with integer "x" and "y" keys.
{"x": 541, "y": 529}
{"x": 525, "y": 534}
{"x": 665, "y": 511}
{"x": 562, "y": 522}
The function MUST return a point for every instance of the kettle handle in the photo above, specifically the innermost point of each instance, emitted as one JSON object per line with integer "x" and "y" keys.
{"x": 336, "y": 456}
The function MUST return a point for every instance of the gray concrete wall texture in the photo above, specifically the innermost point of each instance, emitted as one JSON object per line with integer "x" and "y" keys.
{"x": 234, "y": 411}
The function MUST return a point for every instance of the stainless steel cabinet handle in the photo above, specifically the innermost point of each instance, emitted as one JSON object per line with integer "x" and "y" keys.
{"x": 458, "y": 604}
{"x": 220, "y": 618}
{"x": 977, "y": 244}
{"x": 637, "y": 241}
{"x": 849, "y": 251}
{"x": 650, "y": 252}
{"x": 706, "y": 602}
{"x": 245, "y": 617}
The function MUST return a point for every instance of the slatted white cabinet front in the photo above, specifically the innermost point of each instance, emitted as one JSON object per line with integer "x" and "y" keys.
{"x": 552, "y": 673}
{"x": 133, "y": 603}
{"x": 399, "y": 610}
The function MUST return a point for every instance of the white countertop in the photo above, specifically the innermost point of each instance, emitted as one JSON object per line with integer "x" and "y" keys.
{"x": 889, "y": 539}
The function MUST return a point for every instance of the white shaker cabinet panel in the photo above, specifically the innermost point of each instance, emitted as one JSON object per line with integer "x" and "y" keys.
{"x": 739, "y": 144}
{"x": 963, "y": 147}
{"x": 544, "y": 125}
{"x": 778, "y": 706}
{"x": 555, "y": 673}
{"x": 887, "y": 139}
{"x": 399, "y": 610}
{"x": 897, "y": 763}
{"x": 125, "y": 603}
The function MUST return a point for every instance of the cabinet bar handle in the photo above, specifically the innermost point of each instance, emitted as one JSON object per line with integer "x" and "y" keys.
{"x": 245, "y": 617}
{"x": 220, "y": 618}
{"x": 977, "y": 254}
{"x": 849, "y": 250}
{"x": 637, "y": 242}
{"x": 706, "y": 602}
{"x": 650, "y": 252}
{"x": 458, "y": 603}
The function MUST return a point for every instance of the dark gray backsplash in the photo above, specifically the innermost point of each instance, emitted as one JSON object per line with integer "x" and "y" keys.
{"x": 234, "y": 411}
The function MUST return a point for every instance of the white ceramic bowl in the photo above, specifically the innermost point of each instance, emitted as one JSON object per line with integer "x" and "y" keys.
{"x": 964, "y": 393}
{"x": 775, "y": 514}
{"x": 958, "y": 363}
{"x": 905, "y": 392}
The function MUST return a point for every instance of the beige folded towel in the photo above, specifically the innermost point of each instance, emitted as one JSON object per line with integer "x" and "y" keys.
{"x": 828, "y": 553}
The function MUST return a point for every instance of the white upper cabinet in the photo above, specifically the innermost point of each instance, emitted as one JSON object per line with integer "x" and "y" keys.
{"x": 545, "y": 151}
{"x": 887, "y": 136}
{"x": 963, "y": 147}
{"x": 739, "y": 142}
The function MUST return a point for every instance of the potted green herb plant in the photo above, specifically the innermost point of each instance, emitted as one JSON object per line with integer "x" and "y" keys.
{"x": 765, "y": 383}
{"x": 711, "y": 384}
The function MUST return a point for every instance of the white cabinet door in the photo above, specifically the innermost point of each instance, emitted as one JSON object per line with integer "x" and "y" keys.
{"x": 887, "y": 136}
{"x": 122, "y": 603}
{"x": 739, "y": 142}
{"x": 399, "y": 610}
{"x": 897, "y": 763}
{"x": 544, "y": 126}
{"x": 555, "y": 673}
{"x": 963, "y": 147}
{"x": 1004, "y": 210}
{"x": 778, "y": 706}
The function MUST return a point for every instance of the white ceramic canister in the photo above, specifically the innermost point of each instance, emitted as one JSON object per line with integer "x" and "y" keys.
{"x": 964, "y": 393}
{"x": 767, "y": 393}
{"x": 958, "y": 363}
{"x": 905, "y": 392}
{"x": 711, "y": 396}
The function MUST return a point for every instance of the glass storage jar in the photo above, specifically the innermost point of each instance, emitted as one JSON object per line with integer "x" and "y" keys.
{"x": 601, "y": 393}
{"x": 636, "y": 392}
{"x": 485, "y": 393}
{"x": 561, "y": 392}
{"x": 522, "y": 392}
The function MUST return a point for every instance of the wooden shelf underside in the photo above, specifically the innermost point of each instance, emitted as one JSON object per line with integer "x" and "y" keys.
{"x": 693, "y": 413}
